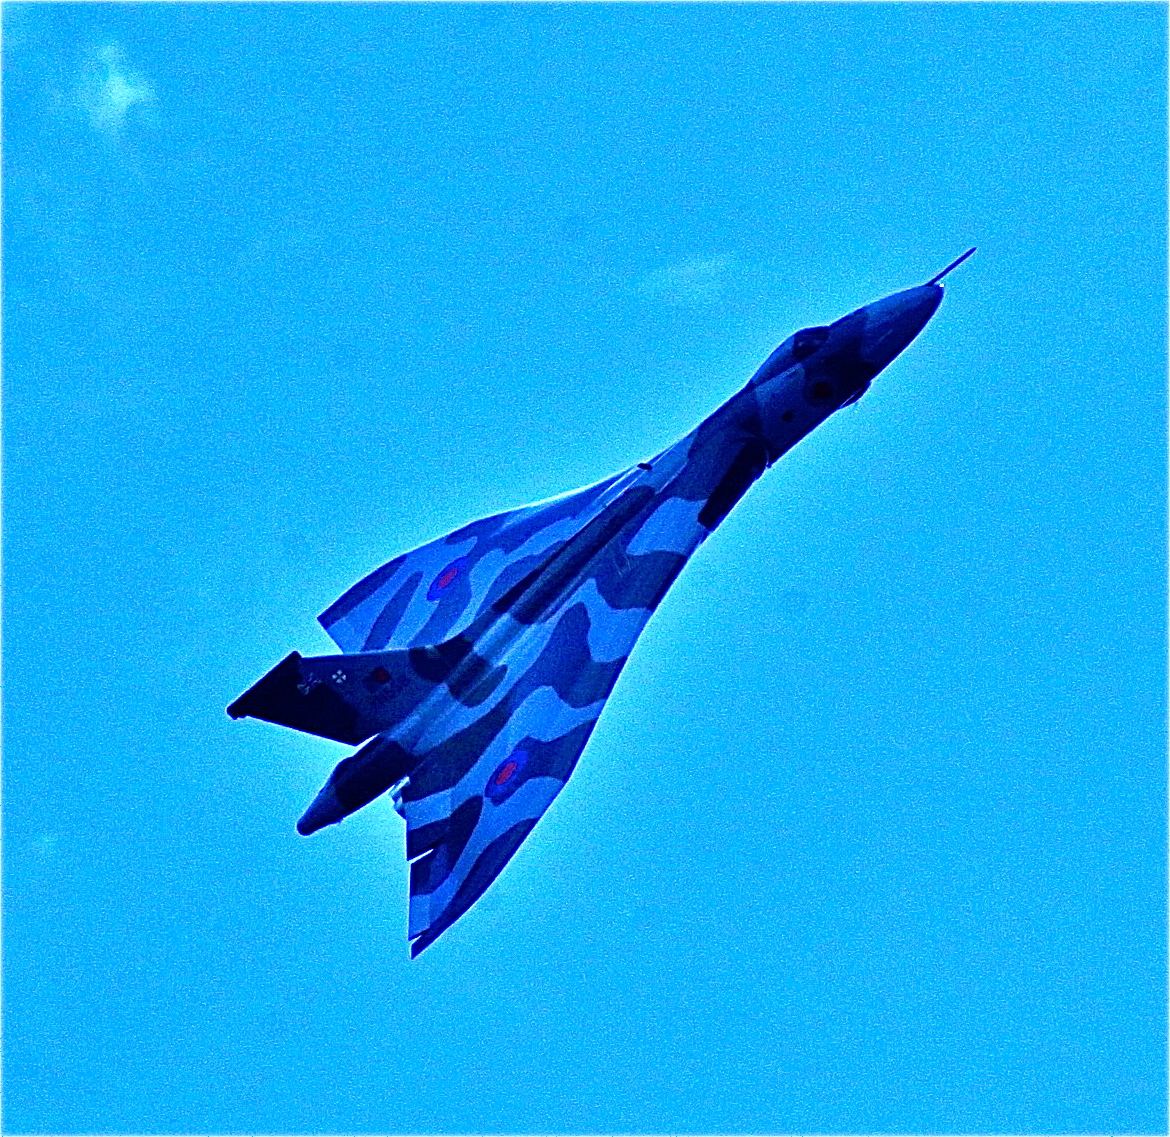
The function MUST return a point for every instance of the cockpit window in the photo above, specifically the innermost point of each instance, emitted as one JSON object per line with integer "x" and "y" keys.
{"x": 794, "y": 349}
{"x": 808, "y": 342}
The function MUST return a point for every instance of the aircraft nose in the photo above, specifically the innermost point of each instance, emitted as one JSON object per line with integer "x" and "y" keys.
{"x": 892, "y": 322}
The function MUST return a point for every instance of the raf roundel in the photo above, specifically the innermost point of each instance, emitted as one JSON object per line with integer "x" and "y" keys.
{"x": 506, "y": 777}
{"x": 446, "y": 578}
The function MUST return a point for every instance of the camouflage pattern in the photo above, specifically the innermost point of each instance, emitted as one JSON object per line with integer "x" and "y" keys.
{"x": 478, "y": 664}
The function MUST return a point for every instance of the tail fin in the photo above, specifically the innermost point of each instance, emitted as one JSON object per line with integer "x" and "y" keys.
{"x": 347, "y": 698}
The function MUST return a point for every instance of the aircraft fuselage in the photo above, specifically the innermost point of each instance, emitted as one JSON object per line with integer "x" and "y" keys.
{"x": 806, "y": 380}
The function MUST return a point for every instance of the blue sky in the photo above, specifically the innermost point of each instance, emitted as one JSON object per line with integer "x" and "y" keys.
{"x": 872, "y": 835}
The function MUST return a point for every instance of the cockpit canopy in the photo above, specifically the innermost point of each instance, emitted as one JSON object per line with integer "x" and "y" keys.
{"x": 795, "y": 349}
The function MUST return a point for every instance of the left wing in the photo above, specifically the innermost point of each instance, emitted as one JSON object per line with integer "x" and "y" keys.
{"x": 487, "y": 776}
{"x": 460, "y": 838}
{"x": 433, "y": 592}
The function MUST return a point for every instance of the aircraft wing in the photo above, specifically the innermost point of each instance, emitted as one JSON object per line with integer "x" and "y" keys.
{"x": 460, "y": 838}
{"x": 488, "y": 775}
{"x": 425, "y": 596}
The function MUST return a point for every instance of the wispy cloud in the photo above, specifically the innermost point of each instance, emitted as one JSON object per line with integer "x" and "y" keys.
{"x": 695, "y": 281}
{"x": 109, "y": 88}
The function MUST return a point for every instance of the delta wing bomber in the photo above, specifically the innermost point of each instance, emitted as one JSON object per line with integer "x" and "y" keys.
{"x": 475, "y": 668}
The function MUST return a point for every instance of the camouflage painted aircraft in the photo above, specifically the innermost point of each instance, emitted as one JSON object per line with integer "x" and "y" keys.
{"x": 475, "y": 667}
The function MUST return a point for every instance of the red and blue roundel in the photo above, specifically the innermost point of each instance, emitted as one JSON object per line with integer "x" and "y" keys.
{"x": 446, "y": 578}
{"x": 506, "y": 778}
